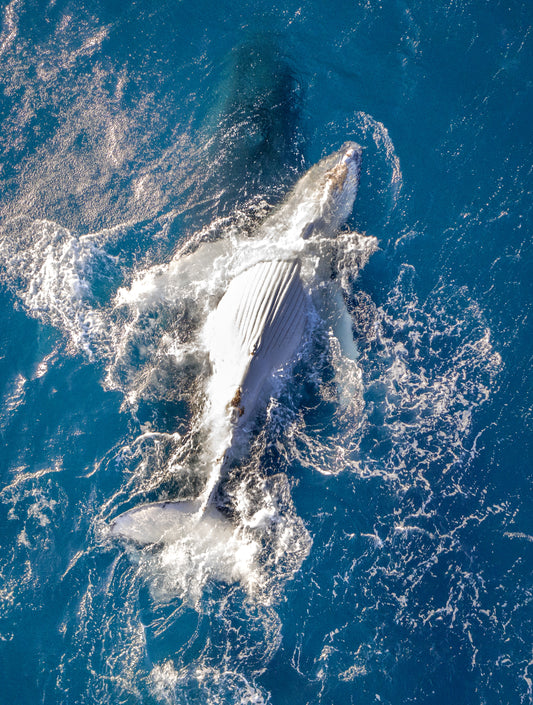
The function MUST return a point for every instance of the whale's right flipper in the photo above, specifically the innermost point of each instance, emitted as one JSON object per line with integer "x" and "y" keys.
{"x": 344, "y": 350}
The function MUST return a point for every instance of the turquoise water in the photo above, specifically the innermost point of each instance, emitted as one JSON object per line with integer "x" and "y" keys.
{"x": 397, "y": 566}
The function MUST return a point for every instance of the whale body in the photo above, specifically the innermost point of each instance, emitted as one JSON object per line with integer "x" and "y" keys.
{"x": 258, "y": 328}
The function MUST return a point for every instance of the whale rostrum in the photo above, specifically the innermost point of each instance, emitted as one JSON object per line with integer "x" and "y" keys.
{"x": 258, "y": 328}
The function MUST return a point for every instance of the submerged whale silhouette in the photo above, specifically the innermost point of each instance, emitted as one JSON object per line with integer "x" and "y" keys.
{"x": 253, "y": 126}
{"x": 259, "y": 325}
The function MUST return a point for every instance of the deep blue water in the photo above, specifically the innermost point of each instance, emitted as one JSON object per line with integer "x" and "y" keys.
{"x": 399, "y": 565}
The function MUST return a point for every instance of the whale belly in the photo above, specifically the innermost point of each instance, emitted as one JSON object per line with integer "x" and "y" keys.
{"x": 257, "y": 329}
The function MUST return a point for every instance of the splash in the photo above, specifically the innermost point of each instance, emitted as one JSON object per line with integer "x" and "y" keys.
{"x": 53, "y": 272}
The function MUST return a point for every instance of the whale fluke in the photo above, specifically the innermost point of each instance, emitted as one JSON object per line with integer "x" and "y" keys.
{"x": 163, "y": 522}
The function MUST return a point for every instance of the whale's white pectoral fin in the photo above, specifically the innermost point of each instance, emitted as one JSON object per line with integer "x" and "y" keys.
{"x": 342, "y": 326}
{"x": 344, "y": 352}
{"x": 332, "y": 309}
{"x": 348, "y": 381}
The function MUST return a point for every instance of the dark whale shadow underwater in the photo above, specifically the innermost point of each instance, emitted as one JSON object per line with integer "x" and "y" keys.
{"x": 252, "y": 132}
{"x": 243, "y": 145}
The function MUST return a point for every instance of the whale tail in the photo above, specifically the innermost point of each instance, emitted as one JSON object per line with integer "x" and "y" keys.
{"x": 166, "y": 522}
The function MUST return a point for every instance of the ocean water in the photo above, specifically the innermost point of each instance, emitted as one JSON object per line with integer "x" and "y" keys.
{"x": 382, "y": 550}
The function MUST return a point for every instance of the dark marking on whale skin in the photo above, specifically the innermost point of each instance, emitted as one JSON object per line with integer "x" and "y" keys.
{"x": 235, "y": 403}
{"x": 337, "y": 176}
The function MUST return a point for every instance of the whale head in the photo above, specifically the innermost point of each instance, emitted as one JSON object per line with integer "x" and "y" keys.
{"x": 322, "y": 200}
{"x": 332, "y": 186}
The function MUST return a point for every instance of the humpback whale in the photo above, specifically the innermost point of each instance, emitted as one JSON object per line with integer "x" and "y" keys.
{"x": 258, "y": 328}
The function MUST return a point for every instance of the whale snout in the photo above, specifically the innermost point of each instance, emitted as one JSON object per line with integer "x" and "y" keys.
{"x": 351, "y": 152}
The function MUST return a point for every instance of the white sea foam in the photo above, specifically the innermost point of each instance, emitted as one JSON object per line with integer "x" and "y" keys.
{"x": 381, "y": 138}
{"x": 34, "y": 502}
{"x": 51, "y": 270}
{"x": 260, "y": 547}
{"x": 171, "y": 685}
{"x": 428, "y": 368}
{"x": 14, "y": 397}
{"x": 204, "y": 553}
{"x": 10, "y": 26}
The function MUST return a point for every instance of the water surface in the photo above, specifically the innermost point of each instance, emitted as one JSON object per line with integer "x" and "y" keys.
{"x": 398, "y": 567}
